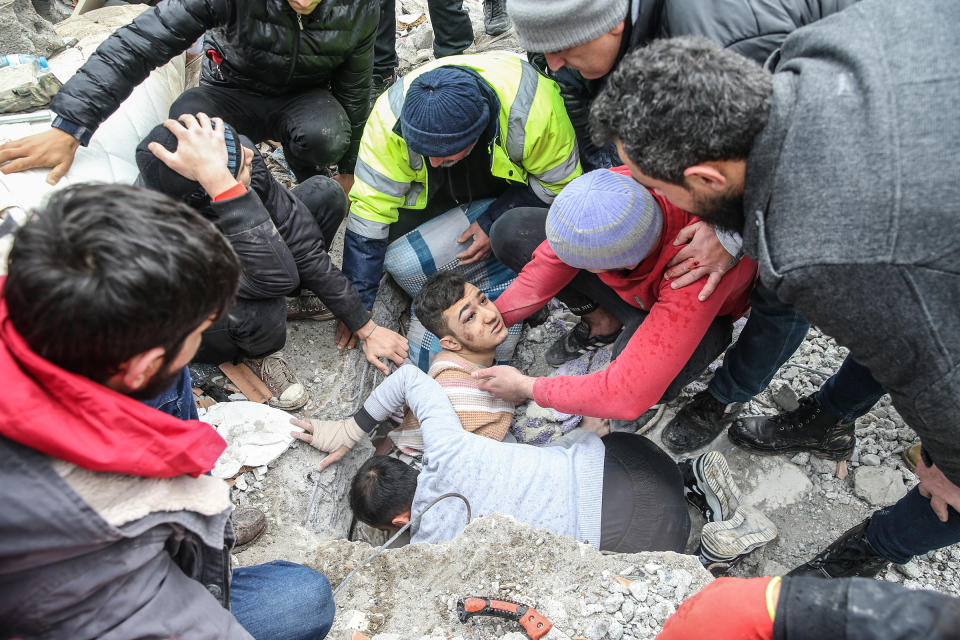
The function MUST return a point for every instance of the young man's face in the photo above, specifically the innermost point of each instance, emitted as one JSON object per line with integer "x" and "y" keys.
{"x": 593, "y": 59}
{"x": 475, "y": 321}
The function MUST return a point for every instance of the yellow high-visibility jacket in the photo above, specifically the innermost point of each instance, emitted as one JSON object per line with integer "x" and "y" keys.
{"x": 534, "y": 144}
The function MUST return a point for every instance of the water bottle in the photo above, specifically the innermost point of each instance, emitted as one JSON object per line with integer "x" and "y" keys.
{"x": 13, "y": 59}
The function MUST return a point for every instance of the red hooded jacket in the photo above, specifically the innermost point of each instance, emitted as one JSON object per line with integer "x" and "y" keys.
{"x": 73, "y": 418}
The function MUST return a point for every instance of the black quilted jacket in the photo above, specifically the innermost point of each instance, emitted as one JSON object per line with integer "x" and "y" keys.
{"x": 266, "y": 48}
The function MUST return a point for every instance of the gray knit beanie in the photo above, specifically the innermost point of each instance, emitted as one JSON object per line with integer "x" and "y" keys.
{"x": 554, "y": 25}
{"x": 603, "y": 220}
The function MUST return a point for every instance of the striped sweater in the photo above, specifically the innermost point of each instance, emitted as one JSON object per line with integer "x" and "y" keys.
{"x": 479, "y": 411}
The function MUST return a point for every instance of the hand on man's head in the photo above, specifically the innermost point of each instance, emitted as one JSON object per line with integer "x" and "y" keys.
{"x": 201, "y": 153}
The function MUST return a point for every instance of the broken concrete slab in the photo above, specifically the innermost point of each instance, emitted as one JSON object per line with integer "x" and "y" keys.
{"x": 880, "y": 486}
{"x": 412, "y": 592}
{"x": 23, "y": 30}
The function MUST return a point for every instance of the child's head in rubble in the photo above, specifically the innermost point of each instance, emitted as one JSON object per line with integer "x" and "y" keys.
{"x": 460, "y": 315}
{"x": 381, "y": 494}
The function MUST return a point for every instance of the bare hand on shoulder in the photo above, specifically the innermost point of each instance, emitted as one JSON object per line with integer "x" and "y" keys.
{"x": 52, "y": 148}
{"x": 703, "y": 256}
{"x": 506, "y": 383}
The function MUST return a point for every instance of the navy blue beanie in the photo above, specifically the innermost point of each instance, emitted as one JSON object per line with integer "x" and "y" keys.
{"x": 444, "y": 112}
{"x": 159, "y": 177}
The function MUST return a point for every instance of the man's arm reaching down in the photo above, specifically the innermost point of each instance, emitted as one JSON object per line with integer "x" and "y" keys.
{"x": 406, "y": 386}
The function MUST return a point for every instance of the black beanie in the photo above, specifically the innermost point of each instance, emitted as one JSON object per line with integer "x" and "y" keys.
{"x": 159, "y": 177}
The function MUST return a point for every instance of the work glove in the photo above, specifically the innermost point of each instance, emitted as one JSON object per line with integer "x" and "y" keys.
{"x": 726, "y": 609}
{"x": 329, "y": 435}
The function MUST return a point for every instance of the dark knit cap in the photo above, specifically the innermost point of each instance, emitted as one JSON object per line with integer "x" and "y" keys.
{"x": 444, "y": 112}
{"x": 159, "y": 177}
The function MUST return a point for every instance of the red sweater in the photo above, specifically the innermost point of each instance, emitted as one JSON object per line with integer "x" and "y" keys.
{"x": 73, "y": 418}
{"x": 659, "y": 348}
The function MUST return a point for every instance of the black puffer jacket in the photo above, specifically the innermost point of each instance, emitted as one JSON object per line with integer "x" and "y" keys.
{"x": 753, "y": 28}
{"x": 266, "y": 48}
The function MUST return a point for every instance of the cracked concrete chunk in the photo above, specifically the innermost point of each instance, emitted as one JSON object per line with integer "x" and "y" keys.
{"x": 410, "y": 586}
{"x": 879, "y": 486}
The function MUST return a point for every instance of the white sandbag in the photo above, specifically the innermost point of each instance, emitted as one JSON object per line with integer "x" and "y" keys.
{"x": 256, "y": 434}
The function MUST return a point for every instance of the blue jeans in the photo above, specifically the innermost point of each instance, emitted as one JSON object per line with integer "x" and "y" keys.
{"x": 851, "y": 391}
{"x": 911, "y": 528}
{"x": 282, "y": 600}
{"x": 178, "y": 399}
{"x": 772, "y": 333}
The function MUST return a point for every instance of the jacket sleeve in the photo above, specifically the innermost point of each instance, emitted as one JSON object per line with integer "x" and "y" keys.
{"x": 541, "y": 279}
{"x": 551, "y": 157}
{"x": 654, "y": 355}
{"x": 351, "y": 88}
{"x": 384, "y": 183}
{"x": 911, "y": 348}
{"x": 317, "y": 272}
{"x": 861, "y": 609}
{"x": 268, "y": 268}
{"x": 127, "y": 57}
{"x": 426, "y": 399}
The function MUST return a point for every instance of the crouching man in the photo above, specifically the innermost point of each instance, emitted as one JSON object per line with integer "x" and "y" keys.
{"x": 111, "y": 529}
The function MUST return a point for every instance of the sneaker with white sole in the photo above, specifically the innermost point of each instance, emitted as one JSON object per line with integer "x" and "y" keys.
{"x": 307, "y": 306}
{"x": 288, "y": 393}
{"x": 709, "y": 486}
{"x": 746, "y": 530}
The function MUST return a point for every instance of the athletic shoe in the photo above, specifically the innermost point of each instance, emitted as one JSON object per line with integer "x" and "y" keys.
{"x": 746, "y": 530}
{"x": 698, "y": 423}
{"x": 647, "y": 420}
{"x": 709, "y": 486}
{"x": 307, "y": 306}
{"x": 810, "y": 427}
{"x": 495, "y": 20}
{"x": 288, "y": 393}
{"x": 576, "y": 343}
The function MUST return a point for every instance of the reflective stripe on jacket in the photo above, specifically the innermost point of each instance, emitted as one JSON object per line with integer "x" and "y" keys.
{"x": 534, "y": 143}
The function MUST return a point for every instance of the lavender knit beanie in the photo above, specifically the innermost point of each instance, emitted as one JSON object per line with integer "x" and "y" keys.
{"x": 604, "y": 220}
{"x": 554, "y": 25}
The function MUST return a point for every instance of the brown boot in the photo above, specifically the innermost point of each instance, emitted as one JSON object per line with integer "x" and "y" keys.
{"x": 288, "y": 393}
{"x": 248, "y": 524}
{"x": 911, "y": 457}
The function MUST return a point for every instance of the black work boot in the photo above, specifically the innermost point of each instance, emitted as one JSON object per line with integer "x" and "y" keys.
{"x": 850, "y": 556}
{"x": 809, "y": 427}
{"x": 495, "y": 20}
{"x": 698, "y": 423}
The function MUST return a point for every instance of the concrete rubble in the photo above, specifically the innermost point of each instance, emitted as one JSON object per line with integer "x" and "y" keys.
{"x": 412, "y": 592}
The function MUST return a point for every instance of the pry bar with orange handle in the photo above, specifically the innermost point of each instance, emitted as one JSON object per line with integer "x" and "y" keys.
{"x": 532, "y": 621}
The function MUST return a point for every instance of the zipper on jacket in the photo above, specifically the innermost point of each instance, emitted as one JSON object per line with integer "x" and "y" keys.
{"x": 296, "y": 49}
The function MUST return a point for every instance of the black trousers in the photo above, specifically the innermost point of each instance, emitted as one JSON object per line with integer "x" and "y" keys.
{"x": 312, "y": 126}
{"x": 518, "y": 233}
{"x": 452, "y": 32}
{"x": 643, "y": 507}
{"x": 256, "y": 324}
